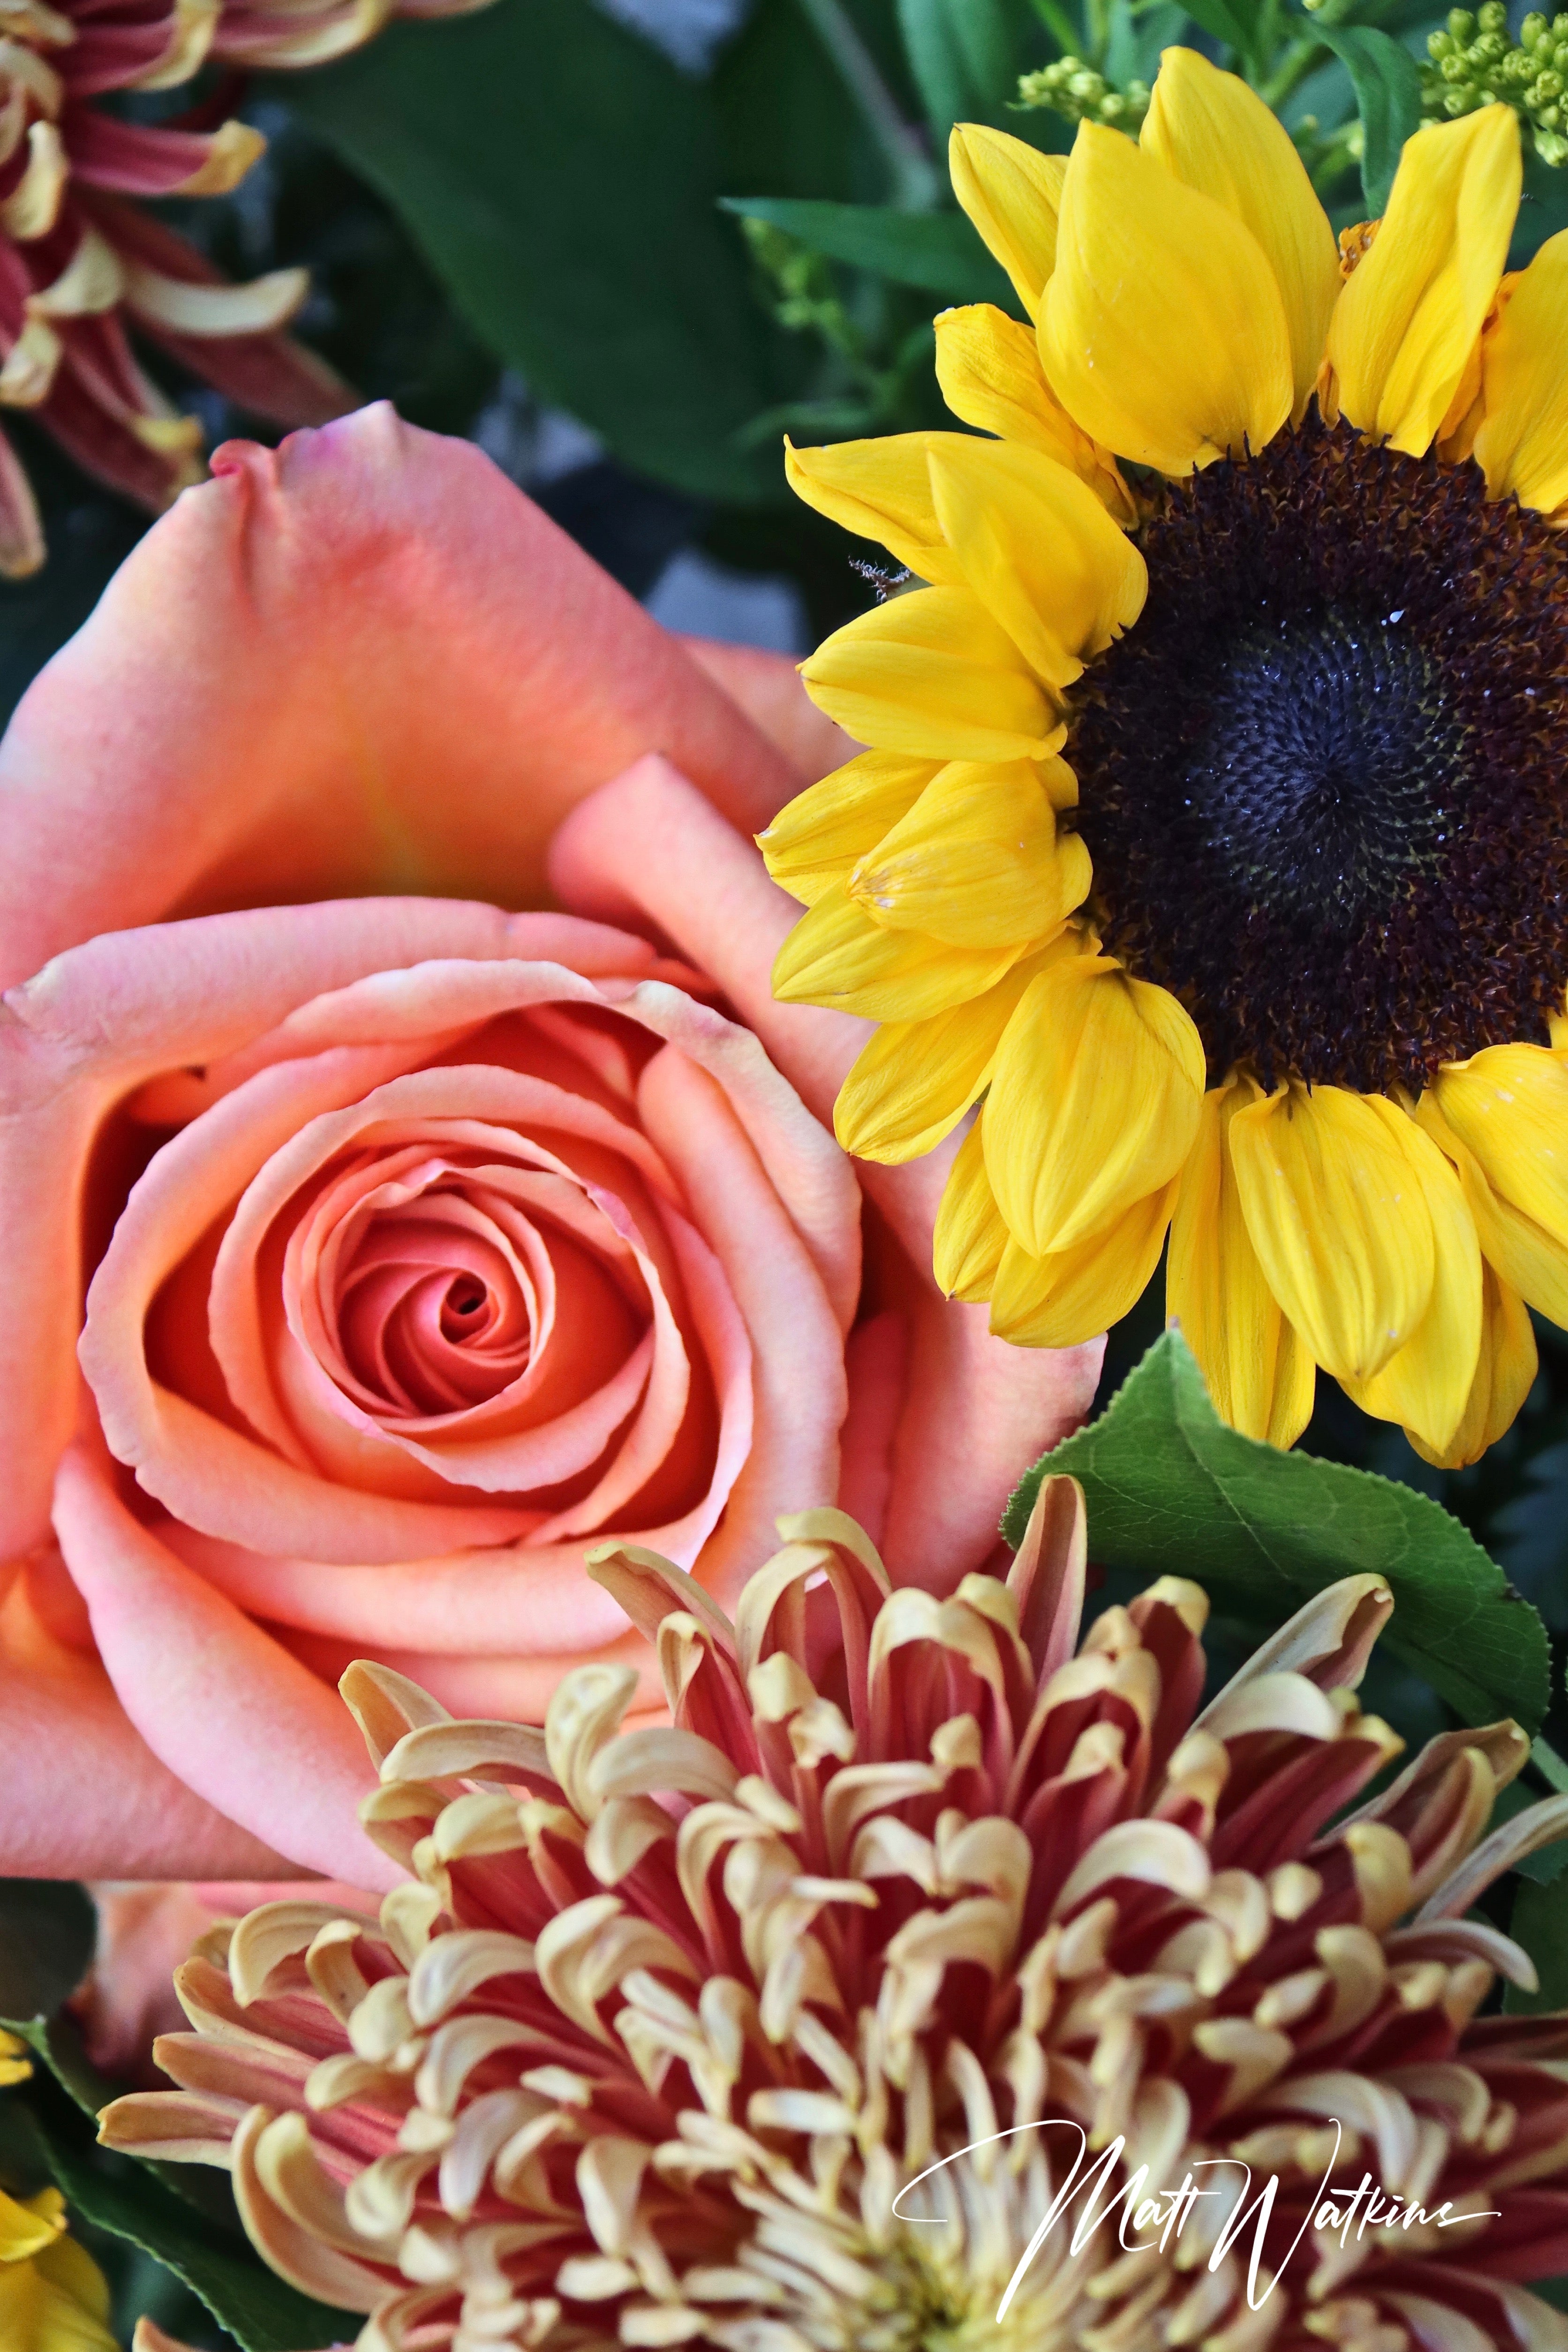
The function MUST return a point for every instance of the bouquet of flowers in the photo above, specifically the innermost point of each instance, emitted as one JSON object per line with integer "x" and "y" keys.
{"x": 622, "y": 1729}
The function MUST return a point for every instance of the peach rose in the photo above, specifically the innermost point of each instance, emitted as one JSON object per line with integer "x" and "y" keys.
{"x": 409, "y": 1248}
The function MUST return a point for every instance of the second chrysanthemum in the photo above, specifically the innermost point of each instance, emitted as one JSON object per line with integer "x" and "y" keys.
{"x": 1211, "y": 833}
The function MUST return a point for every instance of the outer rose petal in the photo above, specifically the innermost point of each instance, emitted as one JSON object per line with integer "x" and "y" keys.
{"x": 86, "y": 1796}
{"x": 363, "y": 662}
{"x": 210, "y": 1692}
{"x": 976, "y": 1411}
{"x": 768, "y": 689}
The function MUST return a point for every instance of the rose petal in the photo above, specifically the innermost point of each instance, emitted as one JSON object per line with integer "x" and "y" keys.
{"x": 86, "y": 1797}
{"x": 495, "y": 1685}
{"x": 768, "y": 689}
{"x": 798, "y": 1360}
{"x": 978, "y": 1411}
{"x": 411, "y": 669}
{"x": 877, "y": 1363}
{"x": 805, "y": 1165}
{"x": 214, "y": 1698}
{"x": 101, "y": 1018}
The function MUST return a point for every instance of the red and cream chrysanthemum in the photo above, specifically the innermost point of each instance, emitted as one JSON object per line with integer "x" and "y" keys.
{"x": 661, "y": 2038}
{"x": 79, "y": 263}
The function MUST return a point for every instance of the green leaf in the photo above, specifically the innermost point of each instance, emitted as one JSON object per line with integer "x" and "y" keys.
{"x": 1387, "y": 84}
{"x": 562, "y": 178}
{"x": 1171, "y": 1490}
{"x": 938, "y": 252}
{"x": 1548, "y": 1862}
{"x": 48, "y": 1928}
{"x": 962, "y": 54}
{"x": 784, "y": 123}
{"x": 1540, "y": 1923}
{"x": 1226, "y": 19}
{"x": 129, "y": 2199}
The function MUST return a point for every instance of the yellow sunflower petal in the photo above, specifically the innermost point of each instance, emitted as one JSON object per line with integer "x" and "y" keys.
{"x": 1039, "y": 550}
{"x": 1426, "y": 1385}
{"x": 72, "y": 2269}
{"x": 1216, "y": 135}
{"x": 27, "y": 2227}
{"x": 1527, "y": 1256}
{"x": 1259, "y": 1373}
{"x": 988, "y": 367}
{"x": 1521, "y": 444}
{"x": 970, "y": 1235}
{"x": 1074, "y": 1293}
{"x": 1094, "y": 1102}
{"x": 1013, "y": 194}
{"x": 58, "y": 2301}
{"x": 1336, "y": 1213}
{"x": 1505, "y": 1371}
{"x": 1407, "y": 318}
{"x": 932, "y": 673}
{"x": 817, "y": 838}
{"x": 915, "y": 1079}
{"x": 836, "y": 955}
{"x": 881, "y": 490}
{"x": 977, "y": 862}
{"x": 1509, "y": 1104}
{"x": 1163, "y": 329}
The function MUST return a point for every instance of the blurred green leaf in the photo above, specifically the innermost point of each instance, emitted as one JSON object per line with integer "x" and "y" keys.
{"x": 1173, "y": 1491}
{"x": 1548, "y": 1862}
{"x": 1540, "y": 1923}
{"x": 126, "y": 2198}
{"x": 962, "y": 56}
{"x": 1227, "y": 20}
{"x": 784, "y": 124}
{"x": 562, "y": 178}
{"x": 1387, "y": 84}
{"x": 938, "y": 252}
{"x": 48, "y": 1928}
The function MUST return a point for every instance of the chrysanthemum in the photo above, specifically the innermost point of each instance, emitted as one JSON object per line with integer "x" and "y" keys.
{"x": 1212, "y": 827}
{"x": 80, "y": 264}
{"x": 673, "y": 2032}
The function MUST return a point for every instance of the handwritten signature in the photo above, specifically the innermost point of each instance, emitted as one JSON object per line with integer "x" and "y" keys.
{"x": 1167, "y": 2210}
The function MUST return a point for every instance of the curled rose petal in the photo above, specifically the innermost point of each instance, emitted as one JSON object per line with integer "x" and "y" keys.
{"x": 441, "y": 712}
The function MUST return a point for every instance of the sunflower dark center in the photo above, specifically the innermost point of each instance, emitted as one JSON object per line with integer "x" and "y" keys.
{"x": 1323, "y": 776}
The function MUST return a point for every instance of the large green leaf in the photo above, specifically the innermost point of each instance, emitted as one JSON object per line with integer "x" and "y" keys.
{"x": 563, "y": 178}
{"x": 1387, "y": 84}
{"x": 938, "y": 252}
{"x": 1171, "y": 1489}
{"x": 206, "y": 2250}
{"x": 785, "y": 123}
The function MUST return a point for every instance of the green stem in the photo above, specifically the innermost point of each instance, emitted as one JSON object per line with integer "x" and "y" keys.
{"x": 1287, "y": 78}
{"x": 915, "y": 184}
{"x": 1060, "y": 27}
{"x": 1549, "y": 1764}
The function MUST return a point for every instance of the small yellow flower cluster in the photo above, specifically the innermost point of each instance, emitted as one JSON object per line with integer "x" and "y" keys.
{"x": 1475, "y": 64}
{"x": 1072, "y": 89}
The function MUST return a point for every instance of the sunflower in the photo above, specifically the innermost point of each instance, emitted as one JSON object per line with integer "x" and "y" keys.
{"x": 1210, "y": 832}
